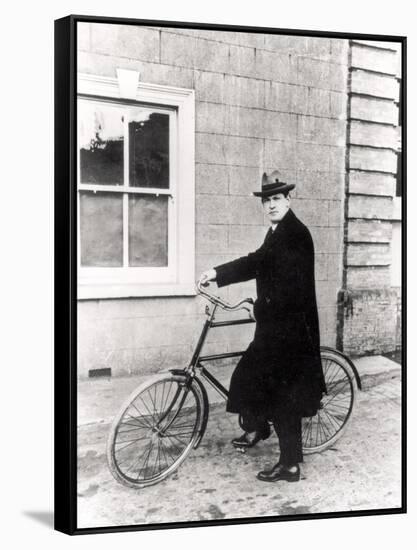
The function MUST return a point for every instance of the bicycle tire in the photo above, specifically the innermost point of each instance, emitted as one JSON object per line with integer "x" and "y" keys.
{"x": 155, "y": 429}
{"x": 321, "y": 431}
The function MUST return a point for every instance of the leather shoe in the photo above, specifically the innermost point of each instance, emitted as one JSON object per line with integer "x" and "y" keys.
{"x": 250, "y": 439}
{"x": 280, "y": 472}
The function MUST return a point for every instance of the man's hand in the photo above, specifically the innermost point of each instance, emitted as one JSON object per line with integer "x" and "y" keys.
{"x": 207, "y": 276}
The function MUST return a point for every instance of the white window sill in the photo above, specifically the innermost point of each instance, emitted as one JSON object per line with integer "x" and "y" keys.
{"x": 106, "y": 291}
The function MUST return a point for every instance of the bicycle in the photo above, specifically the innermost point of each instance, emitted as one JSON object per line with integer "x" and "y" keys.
{"x": 165, "y": 418}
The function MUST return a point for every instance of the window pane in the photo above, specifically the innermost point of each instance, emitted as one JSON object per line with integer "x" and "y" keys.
{"x": 148, "y": 231}
{"x": 148, "y": 149}
{"x": 101, "y": 225}
{"x": 100, "y": 139}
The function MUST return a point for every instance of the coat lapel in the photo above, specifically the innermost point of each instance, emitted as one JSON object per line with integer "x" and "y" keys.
{"x": 273, "y": 236}
{"x": 268, "y": 237}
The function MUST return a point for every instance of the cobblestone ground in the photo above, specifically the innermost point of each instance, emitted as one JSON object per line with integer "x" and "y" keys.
{"x": 361, "y": 472}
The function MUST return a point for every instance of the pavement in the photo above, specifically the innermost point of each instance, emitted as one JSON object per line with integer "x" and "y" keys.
{"x": 361, "y": 471}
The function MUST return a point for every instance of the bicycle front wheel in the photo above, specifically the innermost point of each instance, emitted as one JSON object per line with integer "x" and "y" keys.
{"x": 155, "y": 430}
{"x": 321, "y": 431}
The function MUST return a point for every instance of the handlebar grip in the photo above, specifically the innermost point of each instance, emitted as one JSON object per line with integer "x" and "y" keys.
{"x": 219, "y": 301}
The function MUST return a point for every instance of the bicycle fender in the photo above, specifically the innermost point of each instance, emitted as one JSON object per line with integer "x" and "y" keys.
{"x": 179, "y": 372}
{"x": 348, "y": 361}
{"x": 205, "y": 412}
{"x": 203, "y": 390}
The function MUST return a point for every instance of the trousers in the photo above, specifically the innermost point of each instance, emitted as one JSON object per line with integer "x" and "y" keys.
{"x": 288, "y": 430}
{"x": 287, "y": 426}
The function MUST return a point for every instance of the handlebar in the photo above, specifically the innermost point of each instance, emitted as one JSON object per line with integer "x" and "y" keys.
{"x": 222, "y": 303}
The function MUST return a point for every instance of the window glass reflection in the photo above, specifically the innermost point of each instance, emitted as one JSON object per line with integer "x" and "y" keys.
{"x": 148, "y": 231}
{"x": 101, "y": 226}
{"x": 100, "y": 139}
{"x": 148, "y": 149}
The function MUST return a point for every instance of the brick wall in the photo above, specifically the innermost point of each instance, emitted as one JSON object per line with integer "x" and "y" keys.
{"x": 370, "y": 321}
{"x": 263, "y": 102}
{"x": 369, "y": 317}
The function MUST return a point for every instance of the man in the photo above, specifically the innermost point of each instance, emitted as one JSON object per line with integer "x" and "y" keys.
{"x": 279, "y": 377}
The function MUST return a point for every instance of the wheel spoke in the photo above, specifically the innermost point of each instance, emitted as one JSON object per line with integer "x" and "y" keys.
{"x": 336, "y": 406}
{"x": 307, "y": 424}
{"x": 143, "y": 453}
{"x": 165, "y": 456}
{"x": 180, "y": 434}
{"x": 143, "y": 417}
{"x": 138, "y": 460}
{"x": 131, "y": 440}
{"x": 317, "y": 431}
{"x": 308, "y": 429}
{"x": 156, "y": 460}
{"x": 172, "y": 443}
{"x": 333, "y": 420}
{"x": 121, "y": 432}
{"x": 336, "y": 394}
{"x": 146, "y": 425}
{"x": 176, "y": 436}
{"x": 122, "y": 448}
{"x": 159, "y": 454}
{"x": 162, "y": 398}
{"x": 153, "y": 402}
{"x": 327, "y": 434}
{"x": 330, "y": 380}
{"x": 310, "y": 432}
{"x": 146, "y": 460}
{"x": 169, "y": 453}
{"x": 146, "y": 407}
{"x": 120, "y": 462}
{"x": 167, "y": 396}
{"x": 338, "y": 415}
{"x": 326, "y": 368}
{"x": 342, "y": 404}
{"x": 183, "y": 427}
{"x": 321, "y": 428}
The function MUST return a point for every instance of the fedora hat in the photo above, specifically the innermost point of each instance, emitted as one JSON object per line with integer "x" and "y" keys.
{"x": 271, "y": 185}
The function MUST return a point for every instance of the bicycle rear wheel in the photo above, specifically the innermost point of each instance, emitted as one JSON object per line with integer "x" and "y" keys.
{"x": 322, "y": 430}
{"x": 155, "y": 430}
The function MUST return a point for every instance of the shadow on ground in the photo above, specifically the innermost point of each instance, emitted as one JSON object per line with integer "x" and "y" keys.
{"x": 44, "y": 517}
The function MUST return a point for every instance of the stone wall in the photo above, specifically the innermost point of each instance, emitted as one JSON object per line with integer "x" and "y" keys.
{"x": 370, "y": 324}
{"x": 263, "y": 102}
{"x": 369, "y": 319}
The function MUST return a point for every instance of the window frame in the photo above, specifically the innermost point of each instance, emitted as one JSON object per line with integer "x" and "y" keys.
{"x": 179, "y": 277}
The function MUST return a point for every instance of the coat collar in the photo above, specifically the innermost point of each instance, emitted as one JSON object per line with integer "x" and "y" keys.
{"x": 283, "y": 227}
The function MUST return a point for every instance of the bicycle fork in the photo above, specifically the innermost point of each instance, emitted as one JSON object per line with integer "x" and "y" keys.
{"x": 178, "y": 392}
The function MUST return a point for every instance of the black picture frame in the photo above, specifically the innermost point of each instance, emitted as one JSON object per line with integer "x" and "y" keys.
{"x": 66, "y": 272}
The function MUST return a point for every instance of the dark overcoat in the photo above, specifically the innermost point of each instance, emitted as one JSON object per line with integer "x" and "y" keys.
{"x": 281, "y": 367}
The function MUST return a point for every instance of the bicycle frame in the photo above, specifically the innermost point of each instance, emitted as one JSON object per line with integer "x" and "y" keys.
{"x": 197, "y": 359}
{"x": 155, "y": 433}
